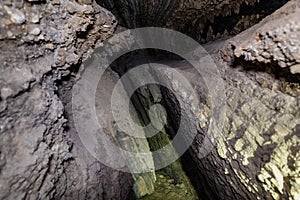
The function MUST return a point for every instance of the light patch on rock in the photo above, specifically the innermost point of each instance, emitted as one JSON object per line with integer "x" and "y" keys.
{"x": 16, "y": 15}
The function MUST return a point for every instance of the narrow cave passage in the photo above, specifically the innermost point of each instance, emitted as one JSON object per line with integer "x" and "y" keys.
{"x": 49, "y": 150}
{"x": 185, "y": 171}
{"x": 171, "y": 182}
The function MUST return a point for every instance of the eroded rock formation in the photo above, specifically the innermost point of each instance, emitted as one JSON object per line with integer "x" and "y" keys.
{"x": 43, "y": 44}
{"x": 203, "y": 20}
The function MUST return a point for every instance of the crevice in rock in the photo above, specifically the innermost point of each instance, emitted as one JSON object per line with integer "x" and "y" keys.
{"x": 270, "y": 68}
{"x": 141, "y": 103}
{"x": 290, "y": 83}
{"x": 173, "y": 176}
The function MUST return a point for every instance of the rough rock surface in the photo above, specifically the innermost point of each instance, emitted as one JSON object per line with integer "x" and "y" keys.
{"x": 274, "y": 40}
{"x": 202, "y": 20}
{"x": 258, "y": 151}
{"x": 41, "y": 43}
{"x": 257, "y": 156}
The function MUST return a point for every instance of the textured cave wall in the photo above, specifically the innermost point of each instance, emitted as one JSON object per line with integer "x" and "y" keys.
{"x": 262, "y": 138}
{"x": 202, "y": 20}
{"x": 174, "y": 13}
{"x": 257, "y": 156}
{"x": 42, "y": 44}
{"x": 275, "y": 40}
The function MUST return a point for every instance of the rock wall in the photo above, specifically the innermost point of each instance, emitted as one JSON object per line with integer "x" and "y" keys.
{"x": 202, "y": 20}
{"x": 258, "y": 151}
{"x": 274, "y": 40}
{"x": 42, "y": 43}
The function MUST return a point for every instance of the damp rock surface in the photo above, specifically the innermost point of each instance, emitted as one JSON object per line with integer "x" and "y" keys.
{"x": 42, "y": 45}
{"x": 166, "y": 188}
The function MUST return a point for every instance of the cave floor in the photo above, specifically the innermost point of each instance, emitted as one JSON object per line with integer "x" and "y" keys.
{"x": 167, "y": 189}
